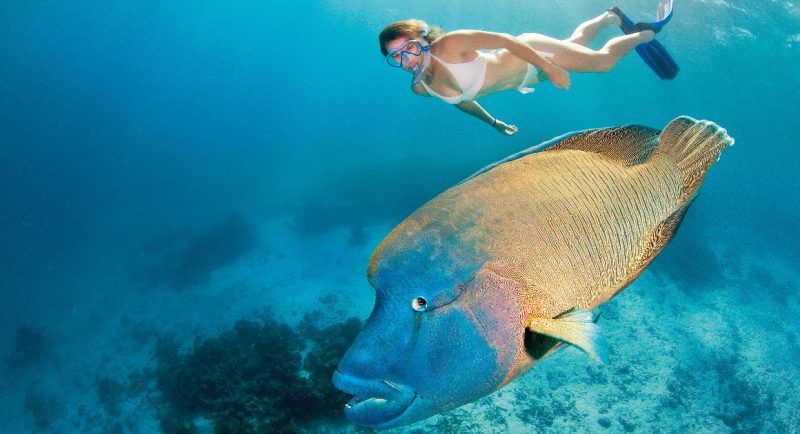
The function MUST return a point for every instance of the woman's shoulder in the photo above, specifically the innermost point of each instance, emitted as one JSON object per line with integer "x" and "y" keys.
{"x": 456, "y": 44}
{"x": 450, "y": 38}
{"x": 448, "y": 47}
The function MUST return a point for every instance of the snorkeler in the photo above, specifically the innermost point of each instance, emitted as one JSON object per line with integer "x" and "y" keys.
{"x": 455, "y": 68}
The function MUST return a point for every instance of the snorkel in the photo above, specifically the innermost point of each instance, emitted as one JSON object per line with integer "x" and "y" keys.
{"x": 426, "y": 58}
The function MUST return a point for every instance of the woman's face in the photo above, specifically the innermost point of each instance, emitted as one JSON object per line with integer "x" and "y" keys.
{"x": 405, "y": 51}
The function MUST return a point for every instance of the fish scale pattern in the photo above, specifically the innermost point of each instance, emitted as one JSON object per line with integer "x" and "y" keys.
{"x": 574, "y": 248}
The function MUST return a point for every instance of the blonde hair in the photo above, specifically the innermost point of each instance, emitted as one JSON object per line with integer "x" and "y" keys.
{"x": 407, "y": 29}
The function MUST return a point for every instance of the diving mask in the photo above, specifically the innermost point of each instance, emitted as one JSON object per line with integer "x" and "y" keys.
{"x": 402, "y": 54}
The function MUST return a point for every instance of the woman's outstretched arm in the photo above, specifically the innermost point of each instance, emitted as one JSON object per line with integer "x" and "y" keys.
{"x": 475, "y": 109}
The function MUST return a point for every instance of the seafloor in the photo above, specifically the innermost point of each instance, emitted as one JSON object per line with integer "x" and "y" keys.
{"x": 703, "y": 341}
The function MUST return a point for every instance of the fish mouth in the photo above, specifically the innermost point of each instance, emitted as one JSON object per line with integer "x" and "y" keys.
{"x": 376, "y": 403}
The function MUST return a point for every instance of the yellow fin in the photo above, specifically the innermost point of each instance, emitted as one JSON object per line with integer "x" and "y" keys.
{"x": 576, "y": 327}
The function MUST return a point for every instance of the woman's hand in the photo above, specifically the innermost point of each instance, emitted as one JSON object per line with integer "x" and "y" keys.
{"x": 504, "y": 128}
{"x": 558, "y": 76}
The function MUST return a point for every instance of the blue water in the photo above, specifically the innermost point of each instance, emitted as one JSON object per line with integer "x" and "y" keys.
{"x": 169, "y": 169}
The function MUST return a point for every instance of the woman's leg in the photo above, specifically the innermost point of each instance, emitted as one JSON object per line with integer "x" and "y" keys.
{"x": 587, "y": 31}
{"x": 617, "y": 48}
{"x": 577, "y": 58}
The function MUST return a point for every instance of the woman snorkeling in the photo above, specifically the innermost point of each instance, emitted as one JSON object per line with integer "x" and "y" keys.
{"x": 456, "y": 67}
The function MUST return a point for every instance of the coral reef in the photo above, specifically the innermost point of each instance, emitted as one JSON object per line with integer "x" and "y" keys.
{"x": 254, "y": 377}
{"x": 329, "y": 345}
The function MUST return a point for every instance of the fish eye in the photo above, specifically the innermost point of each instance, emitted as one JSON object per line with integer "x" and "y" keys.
{"x": 419, "y": 304}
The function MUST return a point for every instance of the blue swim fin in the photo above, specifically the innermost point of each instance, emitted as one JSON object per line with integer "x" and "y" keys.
{"x": 658, "y": 59}
{"x": 653, "y": 53}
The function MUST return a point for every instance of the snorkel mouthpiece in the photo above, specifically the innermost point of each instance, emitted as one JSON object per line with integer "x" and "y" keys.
{"x": 420, "y": 68}
{"x": 426, "y": 58}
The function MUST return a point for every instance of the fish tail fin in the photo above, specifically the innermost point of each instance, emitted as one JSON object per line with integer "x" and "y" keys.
{"x": 694, "y": 146}
{"x": 576, "y": 327}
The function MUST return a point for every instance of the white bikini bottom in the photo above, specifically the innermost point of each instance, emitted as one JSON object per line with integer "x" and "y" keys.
{"x": 532, "y": 75}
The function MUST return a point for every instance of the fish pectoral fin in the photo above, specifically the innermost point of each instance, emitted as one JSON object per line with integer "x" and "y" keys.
{"x": 576, "y": 327}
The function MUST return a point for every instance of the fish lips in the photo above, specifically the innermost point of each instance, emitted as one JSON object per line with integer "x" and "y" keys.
{"x": 377, "y": 403}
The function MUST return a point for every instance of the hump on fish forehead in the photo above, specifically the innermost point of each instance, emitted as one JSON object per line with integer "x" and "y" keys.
{"x": 432, "y": 261}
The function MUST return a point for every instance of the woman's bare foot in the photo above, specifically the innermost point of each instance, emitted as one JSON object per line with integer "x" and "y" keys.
{"x": 611, "y": 19}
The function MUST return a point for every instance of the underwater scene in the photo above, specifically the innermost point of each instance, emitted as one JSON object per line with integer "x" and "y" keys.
{"x": 191, "y": 194}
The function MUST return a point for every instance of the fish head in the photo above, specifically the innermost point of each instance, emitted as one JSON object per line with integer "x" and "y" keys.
{"x": 440, "y": 334}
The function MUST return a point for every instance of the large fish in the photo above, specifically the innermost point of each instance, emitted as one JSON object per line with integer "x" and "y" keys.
{"x": 501, "y": 270}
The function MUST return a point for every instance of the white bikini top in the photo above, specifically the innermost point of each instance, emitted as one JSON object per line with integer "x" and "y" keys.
{"x": 468, "y": 75}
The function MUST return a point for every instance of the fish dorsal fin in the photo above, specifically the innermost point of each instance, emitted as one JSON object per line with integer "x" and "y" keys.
{"x": 629, "y": 144}
{"x": 524, "y": 153}
{"x": 576, "y": 327}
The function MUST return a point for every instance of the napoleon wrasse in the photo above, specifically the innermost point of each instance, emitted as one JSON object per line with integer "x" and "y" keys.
{"x": 501, "y": 270}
